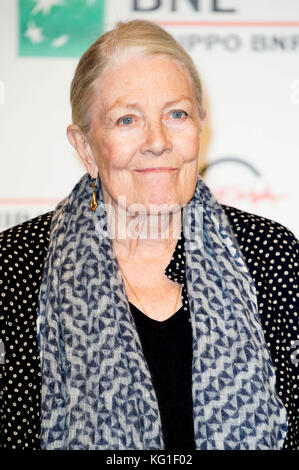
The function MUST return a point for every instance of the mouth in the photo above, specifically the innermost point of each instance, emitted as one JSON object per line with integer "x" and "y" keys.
{"x": 156, "y": 169}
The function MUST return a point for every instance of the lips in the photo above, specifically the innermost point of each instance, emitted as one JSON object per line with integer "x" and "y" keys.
{"x": 156, "y": 169}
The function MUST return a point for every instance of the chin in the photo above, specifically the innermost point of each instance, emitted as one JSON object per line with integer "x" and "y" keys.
{"x": 158, "y": 208}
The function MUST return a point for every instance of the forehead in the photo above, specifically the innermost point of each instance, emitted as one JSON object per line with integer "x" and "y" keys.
{"x": 142, "y": 78}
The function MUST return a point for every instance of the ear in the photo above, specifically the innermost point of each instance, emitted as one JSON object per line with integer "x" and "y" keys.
{"x": 78, "y": 140}
{"x": 203, "y": 118}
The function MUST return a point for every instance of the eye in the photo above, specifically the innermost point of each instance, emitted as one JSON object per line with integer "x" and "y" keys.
{"x": 126, "y": 120}
{"x": 178, "y": 114}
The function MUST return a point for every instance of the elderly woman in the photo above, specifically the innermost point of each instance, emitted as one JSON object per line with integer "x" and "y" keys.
{"x": 164, "y": 320}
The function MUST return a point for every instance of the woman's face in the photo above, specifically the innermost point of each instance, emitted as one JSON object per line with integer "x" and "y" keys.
{"x": 145, "y": 116}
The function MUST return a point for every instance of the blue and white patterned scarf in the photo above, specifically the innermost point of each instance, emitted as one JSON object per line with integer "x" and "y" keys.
{"x": 97, "y": 391}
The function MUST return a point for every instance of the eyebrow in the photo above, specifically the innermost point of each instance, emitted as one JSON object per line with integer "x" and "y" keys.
{"x": 120, "y": 104}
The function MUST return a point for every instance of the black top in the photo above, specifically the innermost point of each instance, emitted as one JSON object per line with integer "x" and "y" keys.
{"x": 271, "y": 254}
{"x": 167, "y": 347}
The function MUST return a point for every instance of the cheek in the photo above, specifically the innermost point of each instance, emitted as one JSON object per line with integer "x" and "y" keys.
{"x": 112, "y": 153}
{"x": 188, "y": 145}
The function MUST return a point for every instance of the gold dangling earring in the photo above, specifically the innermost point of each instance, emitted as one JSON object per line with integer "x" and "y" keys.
{"x": 94, "y": 202}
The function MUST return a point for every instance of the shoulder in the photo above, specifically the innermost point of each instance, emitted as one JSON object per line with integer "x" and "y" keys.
{"x": 271, "y": 253}
{"x": 23, "y": 246}
{"x": 27, "y": 233}
{"x": 260, "y": 233}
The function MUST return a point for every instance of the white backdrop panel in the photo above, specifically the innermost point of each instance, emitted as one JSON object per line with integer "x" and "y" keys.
{"x": 248, "y": 61}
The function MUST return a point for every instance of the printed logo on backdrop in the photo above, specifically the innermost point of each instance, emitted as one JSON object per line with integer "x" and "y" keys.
{"x": 174, "y": 5}
{"x": 194, "y": 16}
{"x": 59, "y": 28}
{"x": 248, "y": 185}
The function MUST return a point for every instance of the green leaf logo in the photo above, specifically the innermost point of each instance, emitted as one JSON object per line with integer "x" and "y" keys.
{"x": 59, "y": 28}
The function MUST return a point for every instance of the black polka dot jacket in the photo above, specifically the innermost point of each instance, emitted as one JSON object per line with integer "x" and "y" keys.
{"x": 271, "y": 253}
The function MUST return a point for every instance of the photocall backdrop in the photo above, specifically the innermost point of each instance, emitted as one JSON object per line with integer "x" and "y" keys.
{"x": 247, "y": 55}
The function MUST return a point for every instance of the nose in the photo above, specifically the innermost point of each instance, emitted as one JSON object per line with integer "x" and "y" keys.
{"x": 156, "y": 140}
